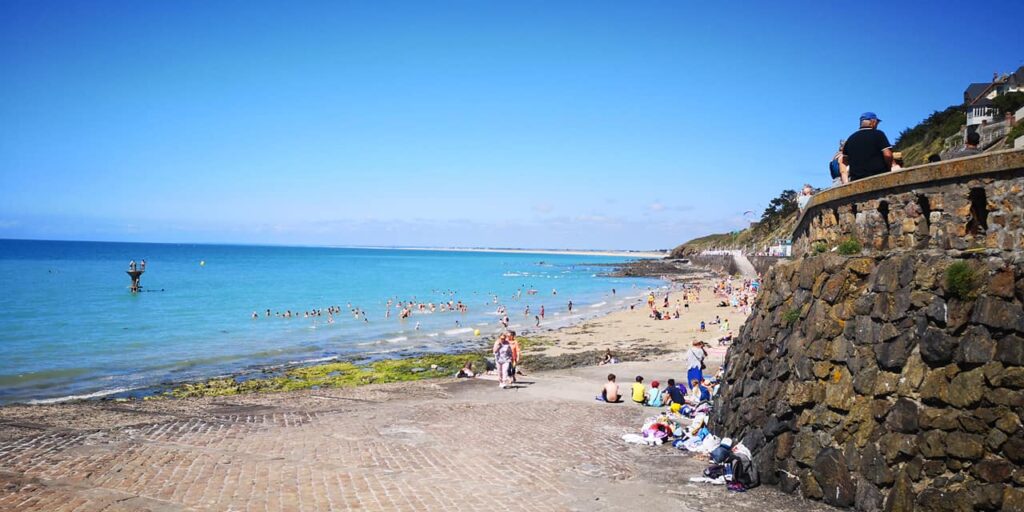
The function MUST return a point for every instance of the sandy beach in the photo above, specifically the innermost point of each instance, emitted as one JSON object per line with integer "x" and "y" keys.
{"x": 441, "y": 444}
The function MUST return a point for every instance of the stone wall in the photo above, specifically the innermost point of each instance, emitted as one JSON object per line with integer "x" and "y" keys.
{"x": 866, "y": 383}
{"x": 717, "y": 262}
{"x": 974, "y": 202}
{"x": 763, "y": 263}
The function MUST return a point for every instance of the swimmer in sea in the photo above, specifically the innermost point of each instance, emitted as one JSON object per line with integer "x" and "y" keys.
{"x": 255, "y": 315}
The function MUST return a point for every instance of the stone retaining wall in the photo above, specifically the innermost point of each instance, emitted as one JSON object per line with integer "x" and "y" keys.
{"x": 717, "y": 262}
{"x": 763, "y": 263}
{"x": 975, "y": 202}
{"x": 866, "y": 383}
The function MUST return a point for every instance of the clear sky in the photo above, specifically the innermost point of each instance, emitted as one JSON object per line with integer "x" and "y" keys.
{"x": 531, "y": 124}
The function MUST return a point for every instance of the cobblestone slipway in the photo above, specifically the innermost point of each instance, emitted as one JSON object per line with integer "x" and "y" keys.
{"x": 443, "y": 446}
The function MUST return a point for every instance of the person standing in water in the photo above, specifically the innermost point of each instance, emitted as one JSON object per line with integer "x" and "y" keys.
{"x": 570, "y": 306}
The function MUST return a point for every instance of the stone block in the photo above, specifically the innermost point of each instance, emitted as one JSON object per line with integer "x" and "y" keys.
{"x": 976, "y": 346}
{"x": 994, "y": 470}
{"x": 903, "y": 417}
{"x": 901, "y": 497}
{"x": 833, "y": 478}
{"x": 998, "y": 314}
{"x": 964, "y": 446}
{"x": 967, "y": 388}
{"x": 868, "y": 498}
{"x": 932, "y": 444}
{"x": 1010, "y": 350}
{"x": 937, "y": 347}
{"x": 941, "y": 500}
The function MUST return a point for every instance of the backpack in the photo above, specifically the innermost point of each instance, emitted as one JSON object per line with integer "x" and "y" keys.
{"x": 833, "y": 168}
{"x": 745, "y": 472}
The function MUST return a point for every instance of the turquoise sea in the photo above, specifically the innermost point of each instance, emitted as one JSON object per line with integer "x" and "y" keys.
{"x": 69, "y": 328}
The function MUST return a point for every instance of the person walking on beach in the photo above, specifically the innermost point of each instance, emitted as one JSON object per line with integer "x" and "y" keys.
{"x": 516, "y": 355}
{"x": 502, "y": 359}
{"x": 695, "y": 362}
{"x": 867, "y": 151}
{"x": 541, "y": 311}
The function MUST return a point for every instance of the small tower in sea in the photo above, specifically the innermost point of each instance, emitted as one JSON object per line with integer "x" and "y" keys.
{"x": 135, "y": 272}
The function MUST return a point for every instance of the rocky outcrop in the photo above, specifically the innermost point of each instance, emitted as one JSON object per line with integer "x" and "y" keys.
{"x": 867, "y": 382}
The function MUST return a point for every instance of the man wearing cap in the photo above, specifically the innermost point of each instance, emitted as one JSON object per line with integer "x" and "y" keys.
{"x": 867, "y": 151}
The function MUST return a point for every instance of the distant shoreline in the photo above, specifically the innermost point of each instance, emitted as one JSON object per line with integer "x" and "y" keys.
{"x": 568, "y": 252}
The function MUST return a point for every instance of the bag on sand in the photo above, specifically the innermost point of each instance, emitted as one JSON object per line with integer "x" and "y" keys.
{"x": 745, "y": 472}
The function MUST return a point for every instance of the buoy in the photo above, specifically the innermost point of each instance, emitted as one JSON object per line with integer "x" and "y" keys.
{"x": 202, "y": 263}
{"x": 476, "y": 332}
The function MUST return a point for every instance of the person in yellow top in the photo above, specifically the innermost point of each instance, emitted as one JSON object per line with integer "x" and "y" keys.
{"x": 639, "y": 391}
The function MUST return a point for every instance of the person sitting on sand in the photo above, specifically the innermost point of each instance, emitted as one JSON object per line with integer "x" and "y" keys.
{"x": 654, "y": 395}
{"x": 610, "y": 391}
{"x": 607, "y": 359}
{"x": 467, "y": 371}
{"x": 674, "y": 395}
{"x": 639, "y": 391}
{"x": 698, "y": 393}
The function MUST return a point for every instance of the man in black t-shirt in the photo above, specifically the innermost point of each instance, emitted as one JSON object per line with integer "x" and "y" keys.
{"x": 867, "y": 151}
{"x": 677, "y": 395}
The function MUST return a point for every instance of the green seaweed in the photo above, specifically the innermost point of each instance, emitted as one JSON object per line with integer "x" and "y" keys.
{"x": 334, "y": 375}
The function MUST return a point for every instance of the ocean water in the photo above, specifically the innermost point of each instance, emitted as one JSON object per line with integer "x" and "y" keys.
{"x": 69, "y": 328}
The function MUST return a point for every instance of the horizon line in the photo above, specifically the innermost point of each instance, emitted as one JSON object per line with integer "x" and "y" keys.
{"x": 538, "y": 250}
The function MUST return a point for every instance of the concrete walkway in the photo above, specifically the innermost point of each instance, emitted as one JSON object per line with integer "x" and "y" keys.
{"x": 744, "y": 265}
{"x": 546, "y": 445}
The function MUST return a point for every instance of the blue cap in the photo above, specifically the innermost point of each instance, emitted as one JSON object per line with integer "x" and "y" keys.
{"x": 869, "y": 116}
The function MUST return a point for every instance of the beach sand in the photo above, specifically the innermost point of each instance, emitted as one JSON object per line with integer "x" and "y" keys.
{"x": 443, "y": 444}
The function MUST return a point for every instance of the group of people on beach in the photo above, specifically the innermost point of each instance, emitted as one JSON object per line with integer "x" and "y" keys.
{"x": 701, "y": 390}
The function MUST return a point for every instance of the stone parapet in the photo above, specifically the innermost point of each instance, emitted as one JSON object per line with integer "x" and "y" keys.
{"x": 975, "y": 202}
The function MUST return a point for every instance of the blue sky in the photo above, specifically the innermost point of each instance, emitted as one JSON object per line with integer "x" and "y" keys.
{"x": 532, "y": 124}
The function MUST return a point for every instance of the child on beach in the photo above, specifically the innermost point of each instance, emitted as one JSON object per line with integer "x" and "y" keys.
{"x": 610, "y": 391}
{"x": 654, "y": 395}
{"x": 639, "y": 391}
